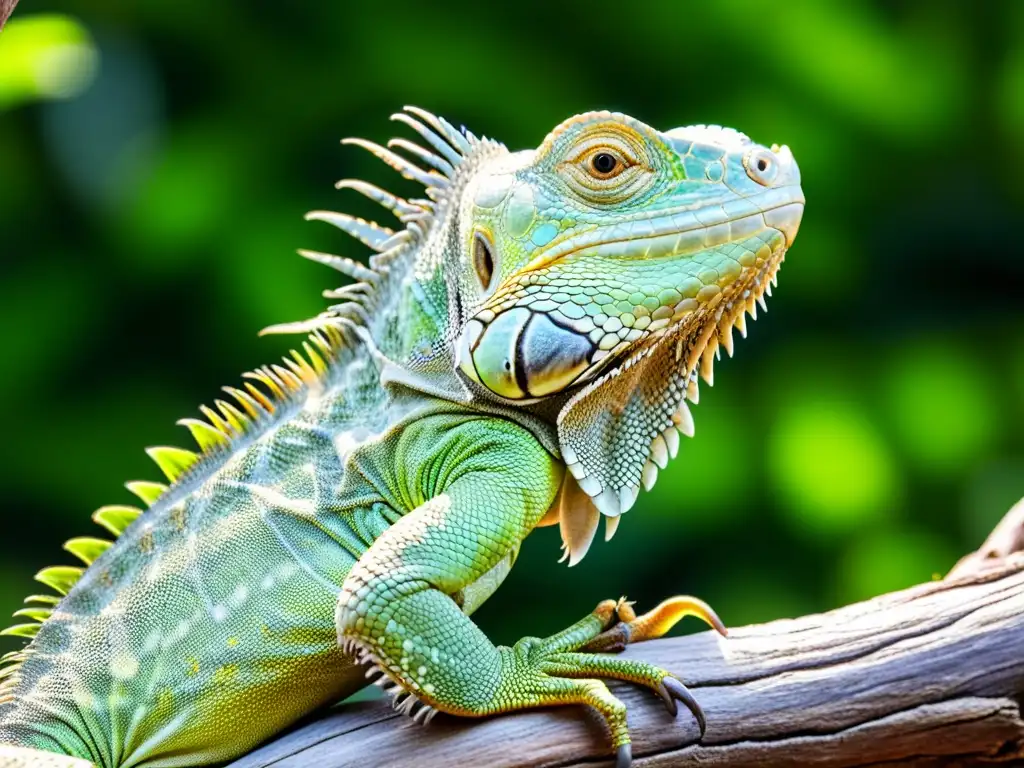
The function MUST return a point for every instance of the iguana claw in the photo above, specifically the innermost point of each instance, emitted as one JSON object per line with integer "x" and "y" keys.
{"x": 624, "y": 756}
{"x": 671, "y": 690}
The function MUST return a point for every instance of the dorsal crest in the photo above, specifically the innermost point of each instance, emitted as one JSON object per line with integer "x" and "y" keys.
{"x": 436, "y": 166}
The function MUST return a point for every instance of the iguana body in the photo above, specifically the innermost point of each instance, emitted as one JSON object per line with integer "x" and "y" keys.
{"x": 541, "y": 311}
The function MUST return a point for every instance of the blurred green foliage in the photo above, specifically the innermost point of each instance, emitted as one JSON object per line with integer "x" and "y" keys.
{"x": 155, "y": 160}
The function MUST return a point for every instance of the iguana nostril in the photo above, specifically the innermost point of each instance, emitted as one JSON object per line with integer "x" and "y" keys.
{"x": 761, "y": 166}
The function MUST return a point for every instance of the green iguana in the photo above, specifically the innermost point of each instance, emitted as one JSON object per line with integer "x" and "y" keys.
{"x": 518, "y": 353}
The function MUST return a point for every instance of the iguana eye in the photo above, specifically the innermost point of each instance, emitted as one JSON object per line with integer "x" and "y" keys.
{"x": 605, "y": 164}
{"x": 608, "y": 163}
{"x": 483, "y": 262}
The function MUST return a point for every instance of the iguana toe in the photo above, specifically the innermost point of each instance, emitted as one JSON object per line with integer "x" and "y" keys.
{"x": 660, "y": 619}
{"x": 656, "y": 623}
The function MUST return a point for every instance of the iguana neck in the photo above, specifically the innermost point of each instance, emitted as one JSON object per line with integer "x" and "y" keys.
{"x": 418, "y": 308}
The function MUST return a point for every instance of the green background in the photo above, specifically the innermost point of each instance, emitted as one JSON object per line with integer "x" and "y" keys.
{"x": 156, "y": 159}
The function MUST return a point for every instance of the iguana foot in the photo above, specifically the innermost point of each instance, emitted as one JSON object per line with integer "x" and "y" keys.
{"x": 568, "y": 668}
{"x": 423, "y": 647}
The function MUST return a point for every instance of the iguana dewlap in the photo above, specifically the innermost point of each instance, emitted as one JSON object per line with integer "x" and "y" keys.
{"x": 535, "y": 312}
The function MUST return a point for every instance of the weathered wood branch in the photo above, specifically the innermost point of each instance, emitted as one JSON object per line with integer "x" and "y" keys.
{"x": 930, "y": 676}
{"x": 6, "y": 9}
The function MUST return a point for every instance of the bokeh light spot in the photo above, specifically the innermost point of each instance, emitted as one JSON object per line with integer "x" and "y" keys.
{"x": 940, "y": 406}
{"x": 188, "y": 199}
{"x": 830, "y": 466}
{"x": 100, "y": 142}
{"x": 47, "y": 56}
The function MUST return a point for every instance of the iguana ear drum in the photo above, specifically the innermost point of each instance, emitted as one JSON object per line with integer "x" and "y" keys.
{"x": 483, "y": 261}
{"x": 522, "y": 354}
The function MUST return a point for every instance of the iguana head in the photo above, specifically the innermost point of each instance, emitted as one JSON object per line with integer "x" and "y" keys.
{"x": 605, "y": 268}
{"x": 589, "y": 282}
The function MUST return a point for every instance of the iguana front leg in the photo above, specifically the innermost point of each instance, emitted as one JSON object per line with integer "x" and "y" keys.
{"x": 398, "y": 607}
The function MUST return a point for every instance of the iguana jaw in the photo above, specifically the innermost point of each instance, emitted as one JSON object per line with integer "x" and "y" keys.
{"x": 584, "y": 499}
{"x": 705, "y": 330}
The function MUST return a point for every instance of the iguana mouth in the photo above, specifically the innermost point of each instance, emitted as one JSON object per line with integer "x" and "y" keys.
{"x": 667, "y": 238}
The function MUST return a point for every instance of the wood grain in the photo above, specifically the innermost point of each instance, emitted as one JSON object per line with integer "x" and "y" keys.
{"x": 930, "y": 676}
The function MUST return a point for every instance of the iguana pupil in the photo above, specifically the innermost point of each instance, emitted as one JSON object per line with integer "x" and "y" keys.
{"x": 604, "y": 162}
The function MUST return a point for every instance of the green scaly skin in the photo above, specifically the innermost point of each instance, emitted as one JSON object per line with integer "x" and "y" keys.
{"x": 521, "y": 353}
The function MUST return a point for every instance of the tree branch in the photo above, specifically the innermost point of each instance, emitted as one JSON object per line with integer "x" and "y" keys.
{"x": 6, "y": 9}
{"x": 930, "y": 676}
